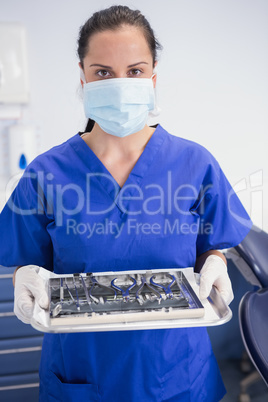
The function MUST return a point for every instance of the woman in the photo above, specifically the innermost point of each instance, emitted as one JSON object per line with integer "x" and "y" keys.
{"x": 122, "y": 196}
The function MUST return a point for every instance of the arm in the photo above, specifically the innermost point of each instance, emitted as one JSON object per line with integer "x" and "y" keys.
{"x": 14, "y": 274}
{"x": 202, "y": 258}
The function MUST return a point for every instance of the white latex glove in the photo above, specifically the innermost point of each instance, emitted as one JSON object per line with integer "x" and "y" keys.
{"x": 29, "y": 288}
{"x": 214, "y": 272}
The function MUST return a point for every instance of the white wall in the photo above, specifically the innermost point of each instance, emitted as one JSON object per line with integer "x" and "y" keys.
{"x": 212, "y": 78}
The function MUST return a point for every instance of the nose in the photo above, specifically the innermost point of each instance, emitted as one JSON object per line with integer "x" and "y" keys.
{"x": 120, "y": 74}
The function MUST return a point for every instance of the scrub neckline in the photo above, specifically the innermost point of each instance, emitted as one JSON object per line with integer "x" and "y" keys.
{"x": 134, "y": 179}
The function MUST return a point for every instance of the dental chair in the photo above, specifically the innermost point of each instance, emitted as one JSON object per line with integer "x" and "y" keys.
{"x": 251, "y": 258}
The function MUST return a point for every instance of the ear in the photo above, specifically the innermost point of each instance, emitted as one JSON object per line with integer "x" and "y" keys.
{"x": 82, "y": 75}
{"x": 154, "y": 79}
{"x": 155, "y": 74}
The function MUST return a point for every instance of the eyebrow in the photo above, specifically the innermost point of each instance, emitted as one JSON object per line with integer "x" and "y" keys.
{"x": 109, "y": 67}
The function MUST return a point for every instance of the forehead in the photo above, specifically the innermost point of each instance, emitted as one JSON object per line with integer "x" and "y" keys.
{"x": 124, "y": 41}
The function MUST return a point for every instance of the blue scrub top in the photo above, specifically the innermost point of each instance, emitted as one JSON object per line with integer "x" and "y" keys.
{"x": 69, "y": 215}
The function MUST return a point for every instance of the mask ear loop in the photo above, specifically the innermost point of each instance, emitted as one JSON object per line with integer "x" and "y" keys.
{"x": 90, "y": 122}
{"x": 156, "y": 111}
{"x": 82, "y": 76}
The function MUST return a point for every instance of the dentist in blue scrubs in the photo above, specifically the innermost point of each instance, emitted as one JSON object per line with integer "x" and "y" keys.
{"x": 122, "y": 196}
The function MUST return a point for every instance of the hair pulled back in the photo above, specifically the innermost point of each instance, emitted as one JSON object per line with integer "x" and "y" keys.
{"x": 113, "y": 18}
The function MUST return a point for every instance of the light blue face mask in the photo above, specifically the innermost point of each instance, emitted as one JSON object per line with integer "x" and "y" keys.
{"x": 120, "y": 106}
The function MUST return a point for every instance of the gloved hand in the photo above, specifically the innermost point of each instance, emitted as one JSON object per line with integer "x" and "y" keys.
{"x": 29, "y": 287}
{"x": 214, "y": 272}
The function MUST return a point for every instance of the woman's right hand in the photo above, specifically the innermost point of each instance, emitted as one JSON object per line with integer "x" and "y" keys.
{"x": 29, "y": 288}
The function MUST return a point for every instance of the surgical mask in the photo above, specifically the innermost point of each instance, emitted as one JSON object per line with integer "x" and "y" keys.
{"x": 120, "y": 106}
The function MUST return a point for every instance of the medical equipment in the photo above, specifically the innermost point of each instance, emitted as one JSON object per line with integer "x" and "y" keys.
{"x": 144, "y": 283}
{"x": 250, "y": 258}
{"x": 125, "y": 292}
{"x": 131, "y": 298}
{"x": 119, "y": 105}
{"x": 95, "y": 285}
{"x": 123, "y": 300}
{"x": 166, "y": 289}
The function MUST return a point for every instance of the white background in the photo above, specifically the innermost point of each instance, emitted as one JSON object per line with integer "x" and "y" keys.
{"x": 212, "y": 79}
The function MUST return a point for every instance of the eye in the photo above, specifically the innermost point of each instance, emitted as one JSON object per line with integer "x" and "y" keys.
{"x": 135, "y": 72}
{"x": 103, "y": 73}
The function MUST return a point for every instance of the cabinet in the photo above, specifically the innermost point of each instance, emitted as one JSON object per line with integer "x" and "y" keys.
{"x": 20, "y": 349}
{"x": 14, "y": 85}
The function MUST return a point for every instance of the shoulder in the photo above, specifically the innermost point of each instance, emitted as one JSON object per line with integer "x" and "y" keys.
{"x": 57, "y": 155}
{"x": 189, "y": 149}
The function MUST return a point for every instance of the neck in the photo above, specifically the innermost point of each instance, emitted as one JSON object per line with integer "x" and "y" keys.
{"x": 102, "y": 143}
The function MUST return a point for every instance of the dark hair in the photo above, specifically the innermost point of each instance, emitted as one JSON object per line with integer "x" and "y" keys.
{"x": 111, "y": 19}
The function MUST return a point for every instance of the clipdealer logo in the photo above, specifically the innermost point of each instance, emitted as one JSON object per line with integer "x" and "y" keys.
{"x": 69, "y": 201}
{"x": 253, "y": 188}
{"x": 63, "y": 200}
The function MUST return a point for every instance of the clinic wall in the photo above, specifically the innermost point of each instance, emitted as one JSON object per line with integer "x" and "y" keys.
{"x": 212, "y": 79}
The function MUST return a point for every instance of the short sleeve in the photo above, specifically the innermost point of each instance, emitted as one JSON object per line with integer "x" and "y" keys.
{"x": 223, "y": 221}
{"x": 24, "y": 237}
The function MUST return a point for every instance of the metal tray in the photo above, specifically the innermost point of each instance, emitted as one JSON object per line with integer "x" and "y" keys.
{"x": 162, "y": 298}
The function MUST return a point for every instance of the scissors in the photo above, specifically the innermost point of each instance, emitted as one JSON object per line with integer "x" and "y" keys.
{"x": 166, "y": 289}
{"x": 125, "y": 292}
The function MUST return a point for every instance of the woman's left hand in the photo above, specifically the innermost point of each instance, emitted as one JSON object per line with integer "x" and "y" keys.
{"x": 214, "y": 272}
